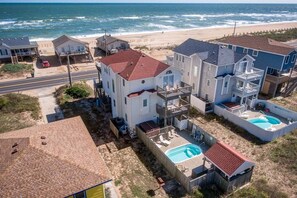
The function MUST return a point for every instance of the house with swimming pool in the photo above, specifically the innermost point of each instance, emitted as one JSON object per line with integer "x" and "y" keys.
{"x": 142, "y": 89}
{"x": 196, "y": 158}
{"x": 277, "y": 59}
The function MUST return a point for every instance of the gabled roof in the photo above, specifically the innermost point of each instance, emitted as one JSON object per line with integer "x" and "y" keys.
{"x": 134, "y": 65}
{"x": 63, "y": 39}
{"x": 16, "y": 43}
{"x": 138, "y": 93}
{"x": 225, "y": 158}
{"x": 259, "y": 43}
{"x": 56, "y": 159}
{"x": 216, "y": 54}
{"x": 109, "y": 39}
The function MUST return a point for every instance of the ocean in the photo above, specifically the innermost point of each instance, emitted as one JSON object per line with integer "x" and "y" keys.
{"x": 48, "y": 21}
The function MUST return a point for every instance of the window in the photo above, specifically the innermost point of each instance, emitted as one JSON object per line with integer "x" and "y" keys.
{"x": 176, "y": 56}
{"x": 112, "y": 85}
{"x": 208, "y": 82}
{"x": 114, "y": 103}
{"x": 245, "y": 50}
{"x": 144, "y": 103}
{"x": 195, "y": 71}
{"x": 80, "y": 195}
{"x": 125, "y": 100}
{"x": 126, "y": 117}
{"x": 107, "y": 84}
{"x": 255, "y": 53}
{"x": 6, "y": 52}
{"x": 193, "y": 87}
{"x": 1, "y": 52}
{"x": 294, "y": 58}
{"x": 234, "y": 48}
{"x": 143, "y": 81}
{"x": 206, "y": 96}
{"x": 183, "y": 59}
{"x": 226, "y": 84}
{"x": 287, "y": 59}
{"x": 123, "y": 82}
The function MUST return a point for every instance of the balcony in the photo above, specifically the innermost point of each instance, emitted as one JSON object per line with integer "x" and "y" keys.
{"x": 175, "y": 92}
{"x": 249, "y": 89}
{"x": 253, "y": 74}
{"x": 173, "y": 110}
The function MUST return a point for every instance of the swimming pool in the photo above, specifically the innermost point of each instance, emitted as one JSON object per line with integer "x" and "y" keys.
{"x": 183, "y": 153}
{"x": 265, "y": 122}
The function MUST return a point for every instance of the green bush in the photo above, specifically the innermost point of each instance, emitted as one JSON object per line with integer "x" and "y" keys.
{"x": 197, "y": 194}
{"x": 15, "y": 68}
{"x": 77, "y": 92}
{"x": 3, "y": 101}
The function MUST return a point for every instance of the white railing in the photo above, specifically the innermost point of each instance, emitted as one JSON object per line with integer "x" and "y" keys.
{"x": 252, "y": 73}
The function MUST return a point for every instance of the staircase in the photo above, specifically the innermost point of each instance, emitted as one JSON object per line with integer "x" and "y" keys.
{"x": 291, "y": 87}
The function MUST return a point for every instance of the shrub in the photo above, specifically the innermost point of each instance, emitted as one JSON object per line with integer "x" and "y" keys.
{"x": 197, "y": 194}
{"x": 15, "y": 68}
{"x": 3, "y": 101}
{"x": 77, "y": 92}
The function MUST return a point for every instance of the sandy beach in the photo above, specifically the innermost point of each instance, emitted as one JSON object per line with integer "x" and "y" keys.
{"x": 157, "y": 42}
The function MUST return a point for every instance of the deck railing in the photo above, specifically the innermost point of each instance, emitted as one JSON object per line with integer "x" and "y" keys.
{"x": 182, "y": 89}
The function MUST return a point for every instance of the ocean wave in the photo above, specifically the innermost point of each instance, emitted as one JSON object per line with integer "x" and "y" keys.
{"x": 290, "y": 15}
{"x": 161, "y": 17}
{"x": 202, "y": 16}
{"x": 131, "y": 17}
{"x": 168, "y": 21}
{"x": 161, "y": 26}
{"x": 7, "y": 22}
{"x": 80, "y": 17}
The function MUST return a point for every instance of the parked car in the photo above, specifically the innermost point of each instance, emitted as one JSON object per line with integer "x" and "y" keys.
{"x": 45, "y": 64}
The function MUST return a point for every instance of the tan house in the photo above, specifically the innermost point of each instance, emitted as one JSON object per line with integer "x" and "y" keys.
{"x": 58, "y": 159}
{"x": 111, "y": 44}
{"x": 77, "y": 50}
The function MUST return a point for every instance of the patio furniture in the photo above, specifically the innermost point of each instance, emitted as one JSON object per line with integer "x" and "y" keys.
{"x": 165, "y": 142}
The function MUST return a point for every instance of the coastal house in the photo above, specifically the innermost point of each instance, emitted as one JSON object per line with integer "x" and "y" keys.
{"x": 142, "y": 89}
{"x": 217, "y": 74}
{"x": 111, "y": 44}
{"x": 16, "y": 49}
{"x": 76, "y": 50}
{"x": 58, "y": 159}
{"x": 275, "y": 58}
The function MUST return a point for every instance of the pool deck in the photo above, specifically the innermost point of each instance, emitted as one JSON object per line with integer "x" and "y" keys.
{"x": 256, "y": 114}
{"x": 180, "y": 138}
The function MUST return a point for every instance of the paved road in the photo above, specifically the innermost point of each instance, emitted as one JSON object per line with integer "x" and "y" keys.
{"x": 46, "y": 81}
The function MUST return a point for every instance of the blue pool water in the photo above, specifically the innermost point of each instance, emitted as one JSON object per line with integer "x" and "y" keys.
{"x": 265, "y": 122}
{"x": 183, "y": 153}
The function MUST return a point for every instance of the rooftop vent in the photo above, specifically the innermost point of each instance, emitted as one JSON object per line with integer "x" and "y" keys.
{"x": 14, "y": 151}
{"x": 14, "y": 145}
{"x": 43, "y": 137}
{"x": 43, "y": 143}
{"x": 143, "y": 55}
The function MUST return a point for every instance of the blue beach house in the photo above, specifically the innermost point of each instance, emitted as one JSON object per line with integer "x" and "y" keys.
{"x": 275, "y": 58}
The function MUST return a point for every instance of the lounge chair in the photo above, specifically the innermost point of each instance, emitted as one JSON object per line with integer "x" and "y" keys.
{"x": 165, "y": 142}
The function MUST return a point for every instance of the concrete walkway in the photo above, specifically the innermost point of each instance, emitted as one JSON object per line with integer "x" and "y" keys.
{"x": 49, "y": 108}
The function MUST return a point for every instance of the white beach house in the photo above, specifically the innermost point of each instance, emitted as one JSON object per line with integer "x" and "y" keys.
{"x": 137, "y": 84}
{"x": 111, "y": 44}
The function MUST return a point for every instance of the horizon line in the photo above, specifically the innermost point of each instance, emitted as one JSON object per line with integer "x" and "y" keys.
{"x": 50, "y": 2}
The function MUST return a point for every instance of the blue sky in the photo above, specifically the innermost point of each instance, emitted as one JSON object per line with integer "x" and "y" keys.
{"x": 153, "y": 1}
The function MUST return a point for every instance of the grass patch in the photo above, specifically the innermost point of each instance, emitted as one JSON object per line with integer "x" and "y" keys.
{"x": 16, "y": 68}
{"x": 279, "y": 35}
{"x": 143, "y": 47}
{"x": 118, "y": 182}
{"x": 16, "y": 111}
{"x": 138, "y": 191}
{"x": 259, "y": 189}
{"x": 285, "y": 152}
{"x": 66, "y": 94}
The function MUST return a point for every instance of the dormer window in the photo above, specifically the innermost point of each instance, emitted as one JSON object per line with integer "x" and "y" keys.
{"x": 234, "y": 48}
{"x": 243, "y": 66}
{"x": 294, "y": 58}
{"x": 255, "y": 53}
{"x": 245, "y": 50}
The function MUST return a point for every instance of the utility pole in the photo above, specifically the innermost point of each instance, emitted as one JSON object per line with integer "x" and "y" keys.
{"x": 68, "y": 68}
{"x": 105, "y": 42}
{"x": 234, "y": 29}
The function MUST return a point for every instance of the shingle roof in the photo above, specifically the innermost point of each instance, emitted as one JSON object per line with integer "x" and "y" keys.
{"x": 63, "y": 39}
{"x": 15, "y": 41}
{"x": 109, "y": 39}
{"x": 225, "y": 158}
{"x": 217, "y": 54}
{"x": 259, "y": 43}
{"x": 134, "y": 65}
{"x": 68, "y": 163}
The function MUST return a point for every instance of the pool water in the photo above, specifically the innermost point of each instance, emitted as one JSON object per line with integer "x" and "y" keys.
{"x": 265, "y": 122}
{"x": 183, "y": 153}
